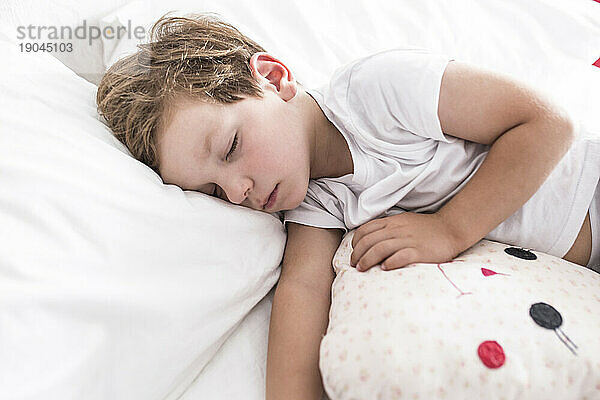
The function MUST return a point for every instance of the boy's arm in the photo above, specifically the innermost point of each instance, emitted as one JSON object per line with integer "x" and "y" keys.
{"x": 528, "y": 136}
{"x": 300, "y": 313}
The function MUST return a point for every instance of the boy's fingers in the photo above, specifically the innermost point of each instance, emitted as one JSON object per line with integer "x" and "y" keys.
{"x": 365, "y": 244}
{"x": 378, "y": 253}
{"x": 365, "y": 229}
{"x": 400, "y": 259}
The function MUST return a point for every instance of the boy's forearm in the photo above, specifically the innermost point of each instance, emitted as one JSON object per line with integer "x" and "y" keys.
{"x": 299, "y": 319}
{"x": 516, "y": 166}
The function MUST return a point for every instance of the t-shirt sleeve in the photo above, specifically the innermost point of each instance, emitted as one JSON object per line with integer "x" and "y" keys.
{"x": 319, "y": 209}
{"x": 398, "y": 90}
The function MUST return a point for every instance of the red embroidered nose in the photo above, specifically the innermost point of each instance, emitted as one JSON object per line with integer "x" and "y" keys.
{"x": 491, "y": 354}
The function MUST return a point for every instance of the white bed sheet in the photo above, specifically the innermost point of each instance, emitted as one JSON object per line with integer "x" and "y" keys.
{"x": 516, "y": 37}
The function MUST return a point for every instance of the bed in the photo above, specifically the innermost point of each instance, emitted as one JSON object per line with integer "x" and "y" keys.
{"x": 116, "y": 286}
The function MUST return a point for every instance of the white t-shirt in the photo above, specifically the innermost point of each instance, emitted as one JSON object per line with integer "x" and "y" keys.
{"x": 385, "y": 105}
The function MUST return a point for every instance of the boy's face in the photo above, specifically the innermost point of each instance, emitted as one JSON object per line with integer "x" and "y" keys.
{"x": 255, "y": 145}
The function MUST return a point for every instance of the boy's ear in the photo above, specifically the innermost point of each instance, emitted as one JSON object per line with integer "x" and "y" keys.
{"x": 269, "y": 71}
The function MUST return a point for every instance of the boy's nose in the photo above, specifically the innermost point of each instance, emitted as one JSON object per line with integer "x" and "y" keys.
{"x": 238, "y": 193}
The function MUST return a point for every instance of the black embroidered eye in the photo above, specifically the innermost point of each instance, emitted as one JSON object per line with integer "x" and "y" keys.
{"x": 520, "y": 253}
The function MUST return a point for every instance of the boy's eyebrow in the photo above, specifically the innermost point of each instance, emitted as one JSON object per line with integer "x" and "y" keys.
{"x": 208, "y": 143}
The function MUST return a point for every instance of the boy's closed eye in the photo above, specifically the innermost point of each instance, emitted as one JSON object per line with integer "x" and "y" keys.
{"x": 215, "y": 192}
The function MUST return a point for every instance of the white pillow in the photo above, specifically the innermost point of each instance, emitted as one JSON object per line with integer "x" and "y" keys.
{"x": 473, "y": 328}
{"x": 82, "y": 49}
{"x": 113, "y": 285}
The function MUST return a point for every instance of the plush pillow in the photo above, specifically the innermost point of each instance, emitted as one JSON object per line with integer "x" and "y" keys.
{"x": 497, "y": 322}
{"x": 113, "y": 285}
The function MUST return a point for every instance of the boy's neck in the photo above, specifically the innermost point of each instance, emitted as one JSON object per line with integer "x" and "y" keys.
{"x": 330, "y": 155}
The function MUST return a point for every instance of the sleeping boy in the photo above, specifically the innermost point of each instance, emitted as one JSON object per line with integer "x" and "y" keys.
{"x": 423, "y": 154}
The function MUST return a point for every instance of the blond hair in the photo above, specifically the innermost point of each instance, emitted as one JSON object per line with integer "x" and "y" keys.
{"x": 196, "y": 57}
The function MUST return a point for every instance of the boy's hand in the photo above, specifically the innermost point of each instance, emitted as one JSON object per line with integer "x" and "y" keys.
{"x": 403, "y": 239}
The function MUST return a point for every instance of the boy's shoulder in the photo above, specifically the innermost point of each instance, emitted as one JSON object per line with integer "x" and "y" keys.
{"x": 383, "y": 72}
{"x": 379, "y": 63}
{"x": 374, "y": 95}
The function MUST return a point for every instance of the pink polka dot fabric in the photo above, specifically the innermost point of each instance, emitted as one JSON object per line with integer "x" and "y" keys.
{"x": 498, "y": 322}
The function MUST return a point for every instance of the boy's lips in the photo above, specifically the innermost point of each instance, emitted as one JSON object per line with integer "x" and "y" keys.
{"x": 272, "y": 197}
